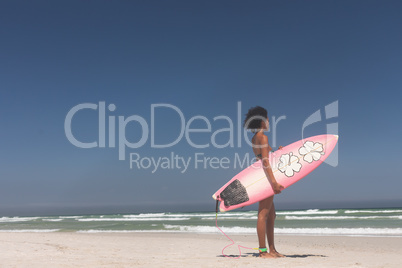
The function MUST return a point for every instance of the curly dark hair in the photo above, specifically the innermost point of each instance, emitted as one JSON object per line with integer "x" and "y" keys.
{"x": 254, "y": 117}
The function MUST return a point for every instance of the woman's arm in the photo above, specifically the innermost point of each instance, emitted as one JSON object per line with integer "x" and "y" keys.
{"x": 267, "y": 166}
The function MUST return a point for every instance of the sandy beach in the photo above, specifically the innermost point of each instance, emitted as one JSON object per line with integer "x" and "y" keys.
{"x": 191, "y": 250}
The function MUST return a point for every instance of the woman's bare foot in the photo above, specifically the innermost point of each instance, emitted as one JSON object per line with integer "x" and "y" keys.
{"x": 276, "y": 253}
{"x": 267, "y": 255}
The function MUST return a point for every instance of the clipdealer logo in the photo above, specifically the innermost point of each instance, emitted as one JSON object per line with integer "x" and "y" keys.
{"x": 112, "y": 127}
{"x": 111, "y": 134}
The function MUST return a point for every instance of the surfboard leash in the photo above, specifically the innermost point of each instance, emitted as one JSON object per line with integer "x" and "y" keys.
{"x": 233, "y": 242}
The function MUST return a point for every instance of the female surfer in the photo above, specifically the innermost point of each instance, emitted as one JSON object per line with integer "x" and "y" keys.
{"x": 257, "y": 121}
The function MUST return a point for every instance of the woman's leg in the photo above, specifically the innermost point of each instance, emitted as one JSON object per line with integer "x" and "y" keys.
{"x": 270, "y": 231}
{"x": 263, "y": 211}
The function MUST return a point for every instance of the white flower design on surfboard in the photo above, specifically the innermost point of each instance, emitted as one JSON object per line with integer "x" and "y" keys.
{"x": 311, "y": 151}
{"x": 289, "y": 164}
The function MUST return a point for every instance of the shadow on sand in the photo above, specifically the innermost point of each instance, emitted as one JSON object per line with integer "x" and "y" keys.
{"x": 304, "y": 256}
{"x": 287, "y": 256}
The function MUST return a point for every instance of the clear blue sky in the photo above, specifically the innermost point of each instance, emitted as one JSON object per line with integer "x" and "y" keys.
{"x": 292, "y": 57}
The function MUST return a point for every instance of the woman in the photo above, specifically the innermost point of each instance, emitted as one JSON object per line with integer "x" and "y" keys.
{"x": 257, "y": 121}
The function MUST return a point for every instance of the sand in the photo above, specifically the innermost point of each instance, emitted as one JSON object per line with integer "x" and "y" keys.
{"x": 191, "y": 250}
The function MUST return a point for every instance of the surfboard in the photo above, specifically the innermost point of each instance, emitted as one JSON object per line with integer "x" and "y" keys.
{"x": 289, "y": 165}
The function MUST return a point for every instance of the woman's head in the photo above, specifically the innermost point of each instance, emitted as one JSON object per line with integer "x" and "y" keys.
{"x": 256, "y": 119}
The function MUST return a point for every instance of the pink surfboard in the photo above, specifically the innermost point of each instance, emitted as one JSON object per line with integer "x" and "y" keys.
{"x": 289, "y": 165}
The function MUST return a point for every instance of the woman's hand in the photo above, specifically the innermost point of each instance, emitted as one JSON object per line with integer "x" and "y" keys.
{"x": 277, "y": 188}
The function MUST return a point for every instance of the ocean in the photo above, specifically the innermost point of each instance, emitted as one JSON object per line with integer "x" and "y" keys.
{"x": 338, "y": 222}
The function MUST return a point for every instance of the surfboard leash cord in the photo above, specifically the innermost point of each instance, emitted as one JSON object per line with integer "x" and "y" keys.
{"x": 233, "y": 242}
